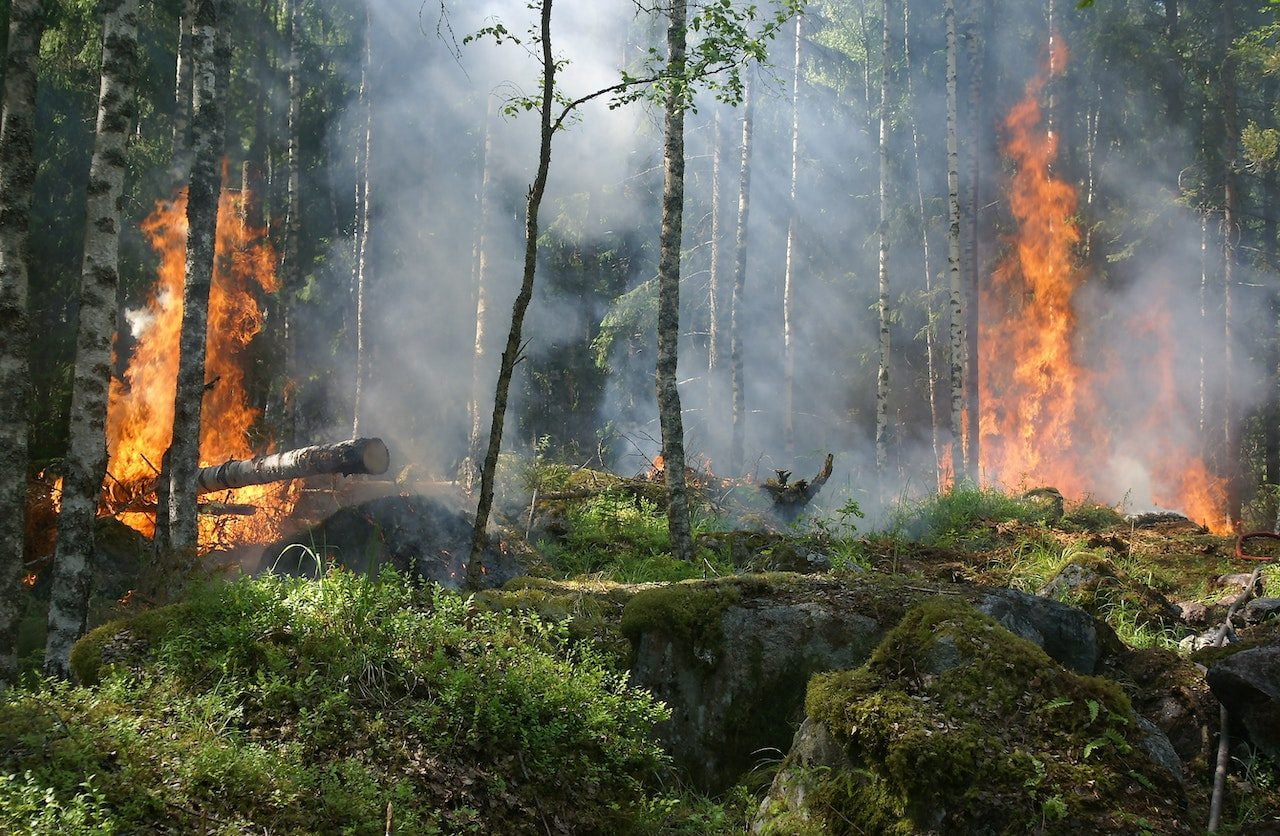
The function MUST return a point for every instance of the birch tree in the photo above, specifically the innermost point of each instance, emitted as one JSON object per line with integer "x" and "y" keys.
{"x": 180, "y": 152}
{"x": 788, "y": 279}
{"x": 973, "y": 442}
{"x": 202, "y": 218}
{"x": 17, "y": 177}
{"x": 475, "y": 437}
{"x": 362, "y": 257}
{"x": 737, "y": 384}
{"x": 931, "y": 318}
{"x": 882, "y": 300}
{"x": 953, "y": 253}
{"x": 290, "y": 257}
{"x": 86, "y": 460}
{"x": 669, "y": 416}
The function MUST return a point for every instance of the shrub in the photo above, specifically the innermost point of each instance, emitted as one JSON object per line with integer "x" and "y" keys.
{"x": 310, "y": 706}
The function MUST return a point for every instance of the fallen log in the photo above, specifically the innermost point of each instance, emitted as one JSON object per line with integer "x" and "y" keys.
{"x": 359, "y": 455}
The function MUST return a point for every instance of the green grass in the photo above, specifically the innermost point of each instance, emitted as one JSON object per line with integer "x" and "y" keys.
{"x": 961, "y": 517}
{"x": 300, "y": 706}
{"x": 621, "y": 537}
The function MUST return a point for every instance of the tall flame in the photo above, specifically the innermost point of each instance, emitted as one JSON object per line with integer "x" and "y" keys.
{"x": 140, "y": 411}
{"x": 1042, "y": 407}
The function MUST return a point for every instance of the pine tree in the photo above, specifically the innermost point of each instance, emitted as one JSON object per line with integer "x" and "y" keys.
{"x": 737, "y": 383}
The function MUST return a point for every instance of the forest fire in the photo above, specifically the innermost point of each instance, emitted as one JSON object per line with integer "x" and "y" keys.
{"x": 140, "y": 414}
{"x": 1044, "y": 411}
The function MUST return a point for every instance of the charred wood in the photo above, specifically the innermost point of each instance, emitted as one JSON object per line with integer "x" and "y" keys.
{"x": 359, "y": 455}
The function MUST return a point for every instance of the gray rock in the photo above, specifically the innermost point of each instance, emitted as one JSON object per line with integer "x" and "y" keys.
{"x": 1208, "y": 638}
{"x": 742, "y": 692}
{"x": 1248, "y": 684}
{"x": 1157, "y": 746}
{"x": 1194, "y": 613}
{"x": 812, "y": 748}
{"x": 1261, "y": 609}
{"x": 1069, "y": 635}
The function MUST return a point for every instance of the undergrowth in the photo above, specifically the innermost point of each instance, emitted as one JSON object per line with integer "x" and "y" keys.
{"x": 297, "y": 706}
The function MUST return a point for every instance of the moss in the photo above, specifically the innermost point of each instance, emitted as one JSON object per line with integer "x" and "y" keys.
{"x": 955, "y": 723}
{"x": 689, "y": 611}
{"x": 121, "y": 638}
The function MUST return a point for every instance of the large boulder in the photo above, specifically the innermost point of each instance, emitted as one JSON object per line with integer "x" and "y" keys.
{"x": 1070, "y": 636}
{"x": 955, "y": 725}
{"x": 1248, "y": 684}
{"x": 418, "y": 535}
{"x": 731, "y": 658}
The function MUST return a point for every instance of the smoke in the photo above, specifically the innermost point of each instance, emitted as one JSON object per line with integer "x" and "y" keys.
{"x": 432, "y": 108}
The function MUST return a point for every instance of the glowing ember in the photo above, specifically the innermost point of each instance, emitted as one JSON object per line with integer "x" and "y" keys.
{"x": 140, "y": 413}
{"x": 1043, "y": 409}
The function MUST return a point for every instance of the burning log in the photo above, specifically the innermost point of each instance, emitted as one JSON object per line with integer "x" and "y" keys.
{"x": 359, "y": 455}
{"x": 790, "y": 497}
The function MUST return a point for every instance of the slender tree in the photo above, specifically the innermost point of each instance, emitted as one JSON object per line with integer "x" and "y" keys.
{"x": 714, "y": 338}
{"x": 737, "y": 384}
{"x": 511, "y": 354}
{"x": 882, "y": 299}
{"x": 86, "y": 460}
{"x": 1230, "y": 238}
{"x": 953, "y": 252}
{"x": 17, "y": 177}
{"x": 290, "y": 257}
{"x": 180, "y": 153}
{"x": 202, "y": 217}
{"x": 475, "y": 437}
{"x": 931, "y": 317}
{"x": 669, "y": 416}
{"x": 789, "y": 271}
{"x": 362, "y": 258}
{"x": 973, "y": 448}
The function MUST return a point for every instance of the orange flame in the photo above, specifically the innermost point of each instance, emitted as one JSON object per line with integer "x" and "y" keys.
{"x": 140, "y": 411}
{"x": 1042, "y": 409}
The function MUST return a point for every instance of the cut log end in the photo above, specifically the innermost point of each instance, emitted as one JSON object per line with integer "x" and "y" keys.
{"x": 376, "y": 457}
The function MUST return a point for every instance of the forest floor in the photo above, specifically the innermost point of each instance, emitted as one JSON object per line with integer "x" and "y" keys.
{"x": 359, "y": 704}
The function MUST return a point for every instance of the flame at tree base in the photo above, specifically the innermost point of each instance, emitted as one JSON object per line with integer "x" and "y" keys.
{"x": 140, "y": 411}
{"x": 1044, "y": 383}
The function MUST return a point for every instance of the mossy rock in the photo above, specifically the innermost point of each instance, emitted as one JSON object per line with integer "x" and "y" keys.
{"x": 1096, "y": 585}
{"x": 955, "y": 725}
{"x": 731, "y": 658}
{"x": 125, "y": 641}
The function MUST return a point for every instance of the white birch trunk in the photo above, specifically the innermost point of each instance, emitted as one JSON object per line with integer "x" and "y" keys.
{"x": 739, "y": 283}
{"x": 788, "y": 280}
{"x": 953, "y": 253}
{"x": 17, "y": 177}
{"x": 180, "y": 155}
{"x": 362, "y": 359}
{"x": 86, "y": 461}
{"x": 882, "y": 299}
{"x": 202, "y": 217}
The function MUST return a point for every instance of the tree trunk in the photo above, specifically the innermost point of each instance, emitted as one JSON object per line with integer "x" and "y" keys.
{"x": 953, "y": 253}
{"x": 86, "y": 460}
{"x": 359, "y": 455}
{"x": 739, "y": 283}
{"x": 669, "y": 415}
{"x": 1230, "y": 220}
{"x": 362, "y": 260}
{"x": 479, "y": 357}
{"x": 180, "y": 154}
{"x": 713, "y": 285}
{"x": 973, "y": 406}
{"x": 882, "y": 299}
{"x": 511, "y": 354}
{"x": 290, "y": 259}
{"x": 1271, "y": 259}
{"x": 17, "y": 177}
{"x": 1173, "y": 64}
{"x": 931, "y": 319}
{"x": 788, "y": 281}
{"x": 202, "y": 217}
